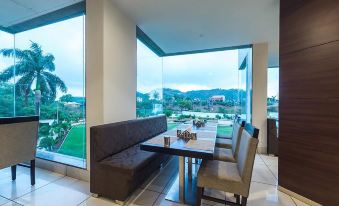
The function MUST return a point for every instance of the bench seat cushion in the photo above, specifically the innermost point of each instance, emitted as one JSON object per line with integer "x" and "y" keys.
{"x": 130, "y": 161}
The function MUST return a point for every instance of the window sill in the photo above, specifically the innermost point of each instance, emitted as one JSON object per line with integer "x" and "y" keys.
{"x": 62, "y": 159}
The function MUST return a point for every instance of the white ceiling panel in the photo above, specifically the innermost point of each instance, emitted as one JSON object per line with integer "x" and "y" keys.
{"x": 187, "y": 25}
{"x": 16, "y": 11}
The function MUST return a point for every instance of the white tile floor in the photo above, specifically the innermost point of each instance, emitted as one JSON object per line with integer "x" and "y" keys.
{"x": 54, "y": 189}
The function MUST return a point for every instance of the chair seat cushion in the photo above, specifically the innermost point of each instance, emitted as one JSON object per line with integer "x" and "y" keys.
{"x": 130, "y": 161}
{"x": 223, "y": 143}
{"x": 223, "y": 176}
{"x": 223, "y": 154}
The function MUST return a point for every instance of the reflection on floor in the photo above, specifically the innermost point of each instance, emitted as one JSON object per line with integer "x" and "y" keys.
{"x": 54, "y": 189}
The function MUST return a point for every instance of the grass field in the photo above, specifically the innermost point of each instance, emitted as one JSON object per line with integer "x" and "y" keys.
{"x": 75, "y": 142}
{"x": 221, "y": 130}
{"x": 224, "y": 130}
{"x": 171, "y": 125}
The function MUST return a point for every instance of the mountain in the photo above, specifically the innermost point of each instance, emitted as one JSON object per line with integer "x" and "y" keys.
{"x": 230, "y": 94}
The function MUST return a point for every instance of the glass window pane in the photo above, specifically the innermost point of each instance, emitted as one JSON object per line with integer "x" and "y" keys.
{"x": 149, "y": 82}
{"x": 273, "y": 92}
{"x": 50, "y": 83}
{"x": 7, "y": 71}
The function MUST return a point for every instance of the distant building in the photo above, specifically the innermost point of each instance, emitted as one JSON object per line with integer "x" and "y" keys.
{"x": 139, "y": 99}
{"x": 72, "y": 104}
{"x": 218, "y": 98}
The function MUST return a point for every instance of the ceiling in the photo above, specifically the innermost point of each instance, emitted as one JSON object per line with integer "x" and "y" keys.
{"x": 13, "y": 12}
{"x": 187, "y": 25}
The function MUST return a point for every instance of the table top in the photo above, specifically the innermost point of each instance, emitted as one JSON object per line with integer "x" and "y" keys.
{"x": 202, "y": 148}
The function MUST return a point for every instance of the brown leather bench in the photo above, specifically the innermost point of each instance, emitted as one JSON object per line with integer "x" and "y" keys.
{"x": 117, "y": 165}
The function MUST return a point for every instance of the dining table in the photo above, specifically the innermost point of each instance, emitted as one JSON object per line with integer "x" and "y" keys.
{"x": 183, "y": 190}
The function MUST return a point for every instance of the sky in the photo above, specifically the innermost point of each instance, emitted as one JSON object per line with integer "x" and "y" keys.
{"x": 194, "y": 72}
{"x": 65, "y": 41}
{"x": 187, "y": 72}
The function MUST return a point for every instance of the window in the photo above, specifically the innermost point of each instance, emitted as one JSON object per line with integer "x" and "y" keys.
{"x": 48, "y": 80}
{"x": 273, "y": 92}
{"x": 213, "y": 86}
{"x": 149, "y": 82}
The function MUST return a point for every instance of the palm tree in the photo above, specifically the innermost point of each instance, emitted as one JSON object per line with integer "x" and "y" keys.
{"x": 32, "y": 65}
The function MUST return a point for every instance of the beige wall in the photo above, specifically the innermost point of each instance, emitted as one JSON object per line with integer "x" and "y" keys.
{"x": 111, "y": 58}
{"x": 259, "y": 101}
{"x": 119, "y": 65}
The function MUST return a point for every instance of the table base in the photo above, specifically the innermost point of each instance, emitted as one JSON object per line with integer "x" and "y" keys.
{"x": 189, "y": 188}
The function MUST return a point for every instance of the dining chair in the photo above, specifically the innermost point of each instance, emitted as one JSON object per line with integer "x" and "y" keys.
{"x": 236, "y": 132}
{"x": 228, "y": 137}
{"x": 231, "y": 177}
{"x": 18, "y": 141}
{"x": 231, "y": 154}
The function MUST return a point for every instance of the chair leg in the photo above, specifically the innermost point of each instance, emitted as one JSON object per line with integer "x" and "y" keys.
{"x": 237, "y": 197}
{"x": 243, "y": 201}
{"x": 32, "y": 172}
{"x": 13, "y": 170}
{"x": 199, "y": 193}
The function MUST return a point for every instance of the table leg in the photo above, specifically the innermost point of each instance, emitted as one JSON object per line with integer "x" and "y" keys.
{"x": 189, "y": 168}
{"x": 182, "y": 179}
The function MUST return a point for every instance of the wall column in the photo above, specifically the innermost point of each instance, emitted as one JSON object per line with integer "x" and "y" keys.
{"x": 259, "y": 96}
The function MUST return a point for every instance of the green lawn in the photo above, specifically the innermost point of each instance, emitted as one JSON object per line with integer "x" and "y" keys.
{"x": 224, "y": 130}
{"x": 75, "y": 142}
{"x": 171, "y": 125}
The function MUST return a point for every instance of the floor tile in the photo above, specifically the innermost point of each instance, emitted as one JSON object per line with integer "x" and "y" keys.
{"x": 142, "y": 197}
{"x": 267, "y": 195}
{"x": 98, "y": 202}
{"x": 3, "y": 200}
{"x": 161, "y": 201}
{"x": 298, "y": 202}
{"x": 269, "y": 159}
{"x": 258, "y": 159}
{"x": 262, "y": 174}
{"x": 22, "y": 185}
{"x": 66, "y": 191}
{"x": 274, "y": 170}
{"x": 213, "y": 193}
{"x": 11, "y": 203}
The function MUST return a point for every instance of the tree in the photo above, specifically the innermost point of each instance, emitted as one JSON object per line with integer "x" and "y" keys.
{"x": 33, "y": 66}
{"x": 168, "y": 112}
{"x": 66, "y": 98}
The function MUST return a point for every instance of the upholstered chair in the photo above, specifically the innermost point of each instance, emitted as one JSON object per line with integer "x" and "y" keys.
{"x": 236, "y": 132}
{"x": 18, "y": 141}
{"x": 231, "y": 177}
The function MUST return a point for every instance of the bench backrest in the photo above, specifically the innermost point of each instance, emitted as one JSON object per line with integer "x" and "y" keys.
{"x": 109, "y": 139}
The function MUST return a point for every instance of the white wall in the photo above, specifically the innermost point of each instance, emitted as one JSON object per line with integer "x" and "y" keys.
{"x": 119, "y": 65}
{"x": 111, "y": 65}
{"x": 259, "y": 101}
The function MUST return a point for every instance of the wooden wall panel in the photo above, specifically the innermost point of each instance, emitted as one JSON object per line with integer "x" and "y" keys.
{"x": 309, "y": 99}
{"x": 307, "y": 23}
{"x": 311, "y": 72}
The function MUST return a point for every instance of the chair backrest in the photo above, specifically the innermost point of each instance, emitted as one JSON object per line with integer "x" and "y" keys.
{"x": 18, "y": 140}
{"x": 248, "y": 146}
{"x": 238, "y": 127}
